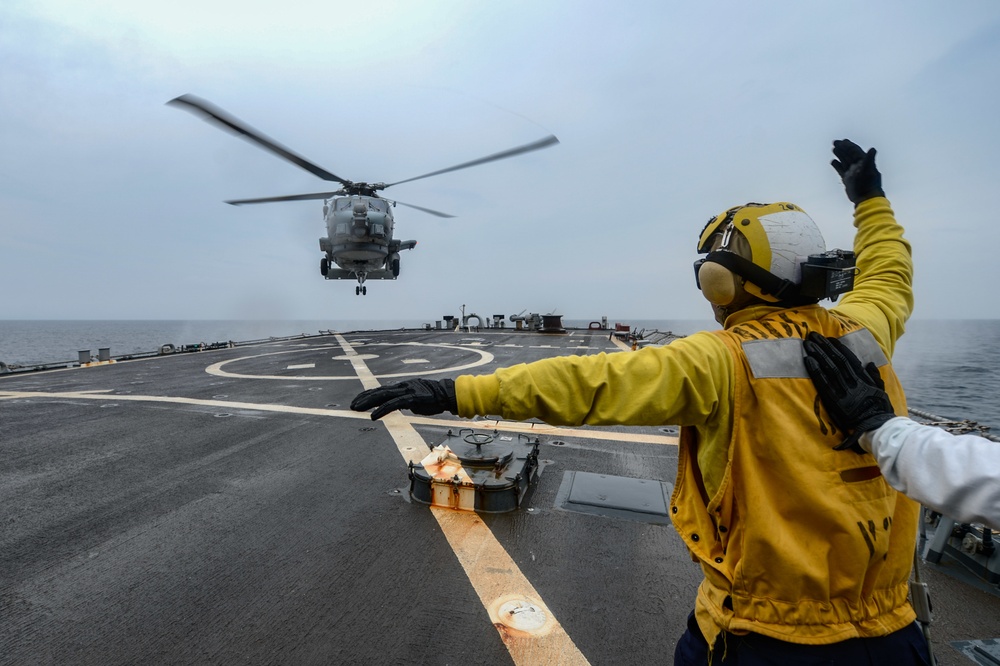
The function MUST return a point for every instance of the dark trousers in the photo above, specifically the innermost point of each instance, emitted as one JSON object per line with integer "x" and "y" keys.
{"x": 903, "y": 647}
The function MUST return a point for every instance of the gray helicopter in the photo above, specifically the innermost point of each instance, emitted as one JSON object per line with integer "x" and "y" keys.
{"x": 359, "y": 222}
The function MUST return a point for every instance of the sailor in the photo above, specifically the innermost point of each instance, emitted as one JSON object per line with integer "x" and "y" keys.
{"x": 955, "y": 475}
{"x": 805, "y": 554}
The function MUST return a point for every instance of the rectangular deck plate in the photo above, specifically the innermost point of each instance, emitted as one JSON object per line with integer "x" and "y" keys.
{"x": 984, "y": 652}
{"x": 644, "y": 500}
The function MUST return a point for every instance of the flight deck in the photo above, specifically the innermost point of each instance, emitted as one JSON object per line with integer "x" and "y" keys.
{"x": 227, "y": 506}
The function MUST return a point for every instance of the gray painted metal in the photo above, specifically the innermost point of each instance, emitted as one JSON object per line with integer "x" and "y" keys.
{"x": 643, "y": 500}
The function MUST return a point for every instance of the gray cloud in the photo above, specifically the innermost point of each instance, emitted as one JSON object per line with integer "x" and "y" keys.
{"x": 111, "y": 202}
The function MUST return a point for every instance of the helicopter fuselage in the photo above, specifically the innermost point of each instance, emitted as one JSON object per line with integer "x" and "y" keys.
{"x": 359, "y": 239}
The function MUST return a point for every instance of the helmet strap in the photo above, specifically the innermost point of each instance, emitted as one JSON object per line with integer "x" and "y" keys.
{"x": 785, "y": 291}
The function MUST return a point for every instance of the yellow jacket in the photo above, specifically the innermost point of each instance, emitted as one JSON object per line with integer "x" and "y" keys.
{"x": 800, "y": 542}
{"x": 693, "y": 381}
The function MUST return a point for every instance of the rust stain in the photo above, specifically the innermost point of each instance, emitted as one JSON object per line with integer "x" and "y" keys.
{"x": 509, "y": 634}
{"x": 443, "y": 465}
{"x": 451, "y": 485}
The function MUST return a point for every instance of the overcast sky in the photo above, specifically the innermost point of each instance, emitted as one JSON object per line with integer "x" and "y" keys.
{"x": 111, "y": 202}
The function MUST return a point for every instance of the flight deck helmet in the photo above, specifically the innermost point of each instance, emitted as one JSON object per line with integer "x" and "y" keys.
{"x": 754, "y": 254}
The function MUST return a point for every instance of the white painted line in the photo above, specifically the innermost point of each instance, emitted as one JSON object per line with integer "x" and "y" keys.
{"x": 229, "y": 404}
{"x": 344, "y": 357}
{"x": 503, "y": 426}
{"x": 300, "y": 366}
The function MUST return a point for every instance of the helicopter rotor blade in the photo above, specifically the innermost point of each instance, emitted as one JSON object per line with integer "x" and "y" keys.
{"x": 290, "y": 197}
{"x": 426, "y": 210}
{"x": 527, "y": 148}
{"x": 212, "y": 113}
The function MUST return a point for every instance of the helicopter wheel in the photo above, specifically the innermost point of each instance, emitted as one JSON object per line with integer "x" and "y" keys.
{"x": 364, "y": 291}
{"x": 357, "y": 291}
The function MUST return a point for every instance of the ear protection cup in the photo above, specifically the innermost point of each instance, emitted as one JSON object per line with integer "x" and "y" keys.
{"x": 719, "y": 284}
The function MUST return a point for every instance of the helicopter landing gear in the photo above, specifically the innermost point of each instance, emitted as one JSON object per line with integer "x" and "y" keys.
{"x": 324, "y": 266}
{"x": 360, "y": 291}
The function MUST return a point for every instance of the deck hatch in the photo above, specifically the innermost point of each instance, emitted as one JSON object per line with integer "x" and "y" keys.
{"x": 644, "y": 500}
{"x": 476, "y": 471}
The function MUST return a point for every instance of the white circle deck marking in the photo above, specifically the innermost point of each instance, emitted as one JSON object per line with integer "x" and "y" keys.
{"x": 484, "y": 358}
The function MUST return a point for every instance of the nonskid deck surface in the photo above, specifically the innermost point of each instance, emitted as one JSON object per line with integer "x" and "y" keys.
{"x": 227, "y": 506}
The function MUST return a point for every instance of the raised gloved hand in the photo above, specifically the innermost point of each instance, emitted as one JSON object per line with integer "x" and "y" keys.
{"x": 862, "y": 179}
{"x": 420, "y": 396}
{"x": 853, "y": 395}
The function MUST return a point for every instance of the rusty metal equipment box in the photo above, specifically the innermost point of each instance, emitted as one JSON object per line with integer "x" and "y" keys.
{"x": 475, "y": 471}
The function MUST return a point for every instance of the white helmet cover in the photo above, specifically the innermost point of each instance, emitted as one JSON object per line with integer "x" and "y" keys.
{"x": 779, "y": 237}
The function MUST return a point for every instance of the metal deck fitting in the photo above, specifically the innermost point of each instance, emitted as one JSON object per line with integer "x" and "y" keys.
{"x": 473, "y": 471}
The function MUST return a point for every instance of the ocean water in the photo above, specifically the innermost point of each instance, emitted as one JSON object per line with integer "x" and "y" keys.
{"x": 948, "y": 367}
{"x": 48, "y": 341}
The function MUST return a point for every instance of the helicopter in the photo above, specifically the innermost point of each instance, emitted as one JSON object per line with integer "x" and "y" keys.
{"x": 359, "y": 244}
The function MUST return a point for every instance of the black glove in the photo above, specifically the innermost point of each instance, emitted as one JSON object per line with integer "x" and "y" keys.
{"x": 420, "y": 396}
{"x": 857, "y": 169}
{"x": 853, "y": 395}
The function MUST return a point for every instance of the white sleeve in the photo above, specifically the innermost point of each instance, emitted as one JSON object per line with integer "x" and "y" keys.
{"x": 956, "y": 475}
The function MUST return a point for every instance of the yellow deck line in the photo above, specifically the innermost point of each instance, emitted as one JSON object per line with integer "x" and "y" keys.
{"x": 620, "y": 344}
{"x": 491, "y": 570}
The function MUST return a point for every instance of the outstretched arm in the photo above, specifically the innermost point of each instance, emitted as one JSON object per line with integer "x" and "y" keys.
{"x": 685, "y": 383}
{"x": 953, "y": 475}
